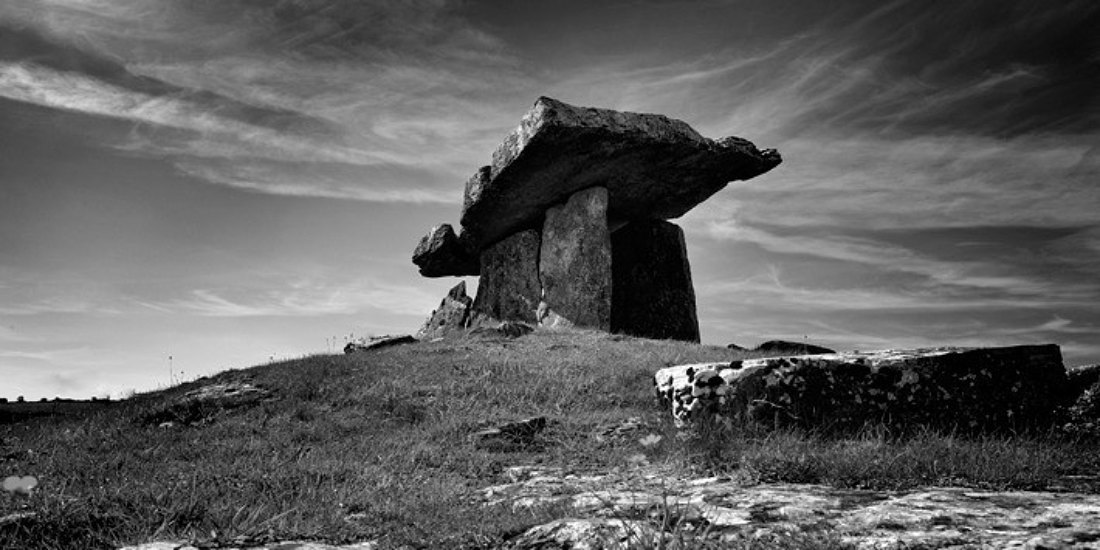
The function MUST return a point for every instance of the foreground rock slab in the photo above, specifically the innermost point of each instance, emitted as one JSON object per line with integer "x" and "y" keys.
{"x": 653, "y": 167}
{"x": 609, "y": 511}
{"x": 967, "y": 389}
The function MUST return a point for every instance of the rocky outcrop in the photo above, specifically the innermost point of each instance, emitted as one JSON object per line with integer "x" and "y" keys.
{"x": 377, "y": 342}
{"x": 204, "y": 404}
{"x": 575, "y": 173}
{"x": 652, "y": 166}
{"x": 651, "y": 281}
{"x": 512, "y": 436}
{"x": 575, "y": 263}
{"x": 964, "y": 389}
{"x": 452, "y": 315}
{"x": 441, "y": 253}
{"x": 509, "y": 288}
{"x": 648, "y": 510}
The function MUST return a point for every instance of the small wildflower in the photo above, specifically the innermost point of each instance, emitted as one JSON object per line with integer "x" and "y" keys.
{"x": 20, "y": 485}
{"x": 650, "y": 440}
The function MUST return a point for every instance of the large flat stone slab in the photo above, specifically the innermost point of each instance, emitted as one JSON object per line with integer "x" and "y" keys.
{"x": 651, "y": 282}
{"x": 509, "y": 287}
{"x": 575, "y": 263}
{"x": 965, "y": 389}
{"x": 652, "y": 166}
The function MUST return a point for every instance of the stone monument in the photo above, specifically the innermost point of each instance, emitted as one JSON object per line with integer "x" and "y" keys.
{"x": 568, "y": 225}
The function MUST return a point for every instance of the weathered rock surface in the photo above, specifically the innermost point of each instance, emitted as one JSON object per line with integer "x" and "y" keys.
{"x": 641, "y": 509}
{"x": 204, "y": 404}
{"x": 575, "y": 263}
{"x": 651, "y": 281}
{"x": 652, "y": 166}
{"x": 509, "y": 288}
{"x": 441, "y": 253}
{"x": 512, "y": 436}
{"x": 376, "y": 342}
{"x": 791, "y": 348}
{"x": 969, "y": 389}
{"x": 452, "y": 314}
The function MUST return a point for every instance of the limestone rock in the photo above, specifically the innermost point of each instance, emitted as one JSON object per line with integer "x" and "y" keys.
{"x": 575, "y": 263}
{"x": 651, "y": 282}
{"x": 452, "y": 315}
{"x": 652, "y": 166}
{"x": 204, "y": 404}
{"x": 511, "y": 436}
{"x": 509, "y": 287}
{"x": 244, "y": 544}
{"x": 376, "y": 342}
{"x": 968, "y": 389}
{"x": 441, "y": 253}
{"x": 661, "y": 512}
{"x": 781, "y": 347}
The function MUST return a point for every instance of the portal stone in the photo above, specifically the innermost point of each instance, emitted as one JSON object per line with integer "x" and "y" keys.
{"x": 651, "y": 279}
{"x": 509, "y": 286}
{"x": 575, "y": 263}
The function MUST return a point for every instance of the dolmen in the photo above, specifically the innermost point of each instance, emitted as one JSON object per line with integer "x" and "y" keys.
{"x": 568, "y": 226}
{"x": 966, "y": 390}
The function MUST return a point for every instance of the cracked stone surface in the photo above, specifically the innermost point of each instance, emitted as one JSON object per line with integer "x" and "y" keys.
{"x": 610, "y": 509}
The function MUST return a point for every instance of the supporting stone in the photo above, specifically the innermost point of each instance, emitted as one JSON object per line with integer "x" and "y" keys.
{"x": 575, "y": 263}
{"x": 509, "y": 286}
{"x": 651, "y": 279}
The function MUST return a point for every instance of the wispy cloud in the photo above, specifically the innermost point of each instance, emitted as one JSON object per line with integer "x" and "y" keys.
{"x": 233, "y": 92}
{"x": 300, "y": 299}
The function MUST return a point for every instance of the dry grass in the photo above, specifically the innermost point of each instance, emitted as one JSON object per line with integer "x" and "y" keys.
{"x": 374, "y": 446}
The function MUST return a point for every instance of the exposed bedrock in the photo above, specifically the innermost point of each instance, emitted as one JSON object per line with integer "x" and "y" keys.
{"x": 652, "y": 166}
{"x": 651, "y": 282}
{"x": 509, "y": 287}
{"x": 575, "y": 263}
{"x": 965, "y": 389}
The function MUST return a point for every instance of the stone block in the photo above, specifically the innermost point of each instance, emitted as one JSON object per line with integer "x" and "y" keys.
{"x": 651, "y": 282}
{"x": 575, "y": 263}
{"x": 441, "y": 253}
{"x": 509, "y": 287}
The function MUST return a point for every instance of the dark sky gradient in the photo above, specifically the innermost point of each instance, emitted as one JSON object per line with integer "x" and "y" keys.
{"x": 230, "y": 181}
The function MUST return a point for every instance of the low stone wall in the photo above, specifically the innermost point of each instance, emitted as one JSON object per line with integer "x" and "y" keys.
{"x": 969, "y": 390}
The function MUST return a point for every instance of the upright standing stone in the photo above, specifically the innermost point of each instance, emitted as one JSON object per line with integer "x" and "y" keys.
{"x": 509, "y": 285}
{"x": 651, "y": 279}
{"x": 575, "y": 262}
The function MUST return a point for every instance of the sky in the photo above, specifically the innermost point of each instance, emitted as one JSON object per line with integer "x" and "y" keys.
{"x": 188, "y": 186}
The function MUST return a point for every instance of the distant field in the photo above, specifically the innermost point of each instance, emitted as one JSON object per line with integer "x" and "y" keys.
{"x": 18, "y": 412}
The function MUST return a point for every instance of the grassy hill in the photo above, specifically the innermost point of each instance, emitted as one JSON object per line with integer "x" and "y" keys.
{"x": 376, "y": 445}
